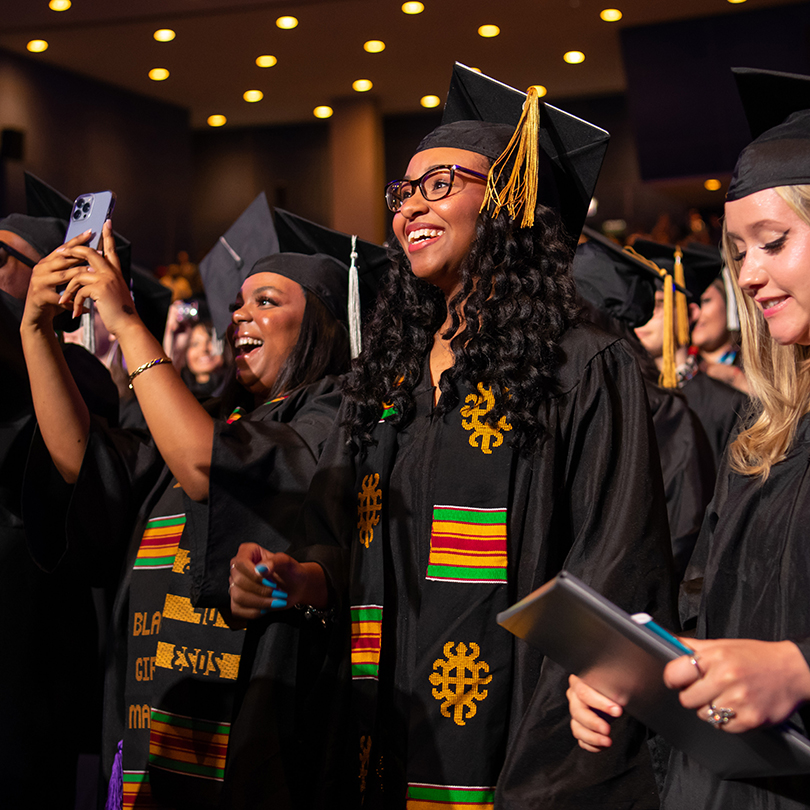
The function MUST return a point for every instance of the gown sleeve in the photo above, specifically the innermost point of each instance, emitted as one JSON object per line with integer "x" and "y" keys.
{"x": 606, "y": 523}
{"x": 261, "y": 468}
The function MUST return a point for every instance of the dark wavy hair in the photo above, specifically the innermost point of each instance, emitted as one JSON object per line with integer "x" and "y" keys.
{"x": 322, "y": 348}
{"x": 516, "y": 300}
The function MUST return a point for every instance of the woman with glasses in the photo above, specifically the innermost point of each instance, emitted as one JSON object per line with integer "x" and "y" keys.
{"x": 488, "y": 439}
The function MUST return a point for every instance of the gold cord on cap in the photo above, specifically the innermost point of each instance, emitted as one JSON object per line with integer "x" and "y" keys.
{"x": 521, "y": 188}
{"x": 681, "y": 313}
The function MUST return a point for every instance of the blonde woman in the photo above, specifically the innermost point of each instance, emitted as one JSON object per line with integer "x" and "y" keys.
{"x": 753, "y": 627}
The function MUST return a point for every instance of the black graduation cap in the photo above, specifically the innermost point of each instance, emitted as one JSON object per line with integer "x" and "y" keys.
{"x": 299, "y": 235}
{"x": 152, "y": 300}
{"x": 44, "y": 234}
{"x": 232, "y": 258}
{"x": 614, "y": 280}
{"x": 702, "y": 264}
{"x": 777, "y": 106}
{"x": 44, "y": 201}
{"x": 571, "y": 150}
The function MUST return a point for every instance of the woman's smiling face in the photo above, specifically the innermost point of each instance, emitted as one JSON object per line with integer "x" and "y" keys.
{"x": 436, "y": 236}
{"x": 773, "y": 248}
{"x": 266, "y": 323}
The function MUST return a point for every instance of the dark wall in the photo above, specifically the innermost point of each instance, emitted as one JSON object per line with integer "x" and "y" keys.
{"x": 686, "y": 115}
{"x": 81, "y": 135}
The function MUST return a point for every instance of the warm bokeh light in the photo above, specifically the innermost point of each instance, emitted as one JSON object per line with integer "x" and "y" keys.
{"x": 574, "y": 57}
{"x": 712, "y": 184}
{"x": 430, "y": 101}
{"x": 413, "y": 7}
{"x": 217, "y": 120}
{"x": 164, "y": 35}
{"x": 736, "y": 1}
{"x": 541, "y": 91}
{"x": 610, "y": 14}
{"x": 253, "y": 95}
{"x": 266, "y": 60}
{"x": 287, "y": 22}
{"x": 37, "y": 46}
{"x": 323, "y": 111}
{"x": 477, "y": 70}
{"x": 59, "y": 5}
{"x": 362, "y": 85}
{"x": 374, "y": 46}
{"x": 489, "y": 31}
{"x": 158, "y": 74}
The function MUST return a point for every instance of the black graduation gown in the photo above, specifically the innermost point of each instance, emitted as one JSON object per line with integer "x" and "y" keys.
{"x": 753, "y": 556}
{"x": 171, "y": 668}
{"x": 588, "y": 499}
{"x": 49, "y": 630}
{"x": 718, "y": 406}
{"x": 687, "y": 467}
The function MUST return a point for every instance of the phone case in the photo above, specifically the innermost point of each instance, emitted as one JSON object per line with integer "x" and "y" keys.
{"x": 90, "y": 211}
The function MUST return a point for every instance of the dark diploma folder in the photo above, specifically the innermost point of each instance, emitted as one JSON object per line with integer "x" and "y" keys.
{"x": 591, "y": 637}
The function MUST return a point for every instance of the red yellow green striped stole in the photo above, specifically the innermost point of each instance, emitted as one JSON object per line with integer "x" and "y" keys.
{"x": 159, "y": 542}
{"x": 366, "y": 636}
{"x": 188, "y": 745}
{"x": 137, "y": 791}
{"x": 449, "y": 797}
{"x": 467, "y": 545}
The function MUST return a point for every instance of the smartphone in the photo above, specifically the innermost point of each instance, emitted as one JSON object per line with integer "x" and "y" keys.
{"x": 90, "y": 211}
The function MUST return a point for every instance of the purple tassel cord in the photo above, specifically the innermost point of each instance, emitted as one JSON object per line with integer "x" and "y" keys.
{"x": 115, "y": 792}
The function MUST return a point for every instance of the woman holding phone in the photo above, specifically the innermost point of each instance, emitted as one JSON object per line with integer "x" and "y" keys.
{"x": 750, "y": 663}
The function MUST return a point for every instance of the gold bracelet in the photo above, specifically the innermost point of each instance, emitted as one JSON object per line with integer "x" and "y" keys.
{"x": 140, "y": 370}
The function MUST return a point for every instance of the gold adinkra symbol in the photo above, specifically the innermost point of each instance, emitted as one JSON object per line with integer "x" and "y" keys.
{"x": 478, "y": 406}
{"x": 453, "y": 685}
{"x": 369, "y": 505}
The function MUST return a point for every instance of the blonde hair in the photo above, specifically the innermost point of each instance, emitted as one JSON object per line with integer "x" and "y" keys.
{"x": 779, "y": 376}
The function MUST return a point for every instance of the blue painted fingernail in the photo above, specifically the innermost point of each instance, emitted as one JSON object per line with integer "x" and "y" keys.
{"x": 278, "y": 603}
{"x": 279, "y": 594}
{"x": 261, "y": 568}
{"x": 267, "y": 583}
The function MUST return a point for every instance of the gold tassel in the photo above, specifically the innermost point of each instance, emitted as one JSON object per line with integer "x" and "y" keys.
{"x": 520, "y": 190}
{"x": 669, "y": 374}
{"x": 682, "y": 313}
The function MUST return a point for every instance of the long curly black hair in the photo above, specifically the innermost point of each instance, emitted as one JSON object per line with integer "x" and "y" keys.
{"x": 516, "y": 300}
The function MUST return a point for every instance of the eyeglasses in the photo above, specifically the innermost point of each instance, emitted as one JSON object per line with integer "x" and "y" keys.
{"x": 435, "y": 184}
{"x": 21, "y": 257}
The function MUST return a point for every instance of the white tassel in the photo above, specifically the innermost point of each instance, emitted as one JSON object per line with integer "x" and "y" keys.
{"x": 355, "y": 339}
{"x": 732, "y": 315}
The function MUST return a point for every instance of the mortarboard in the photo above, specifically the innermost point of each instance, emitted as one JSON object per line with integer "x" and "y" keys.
{"x": 44, "y": 234}
{"x": 702, "y": 264}
{"x": 614, "y": 280}
{"x": 777, "y": 106}
{"x": 569, "y": 151}
{"x": 232, "y": 258}
{"x": 370, "y": 261}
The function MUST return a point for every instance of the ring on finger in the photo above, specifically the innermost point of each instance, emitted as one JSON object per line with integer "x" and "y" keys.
{"x": 718, "y": 716}
{"x": 694, "y": 662}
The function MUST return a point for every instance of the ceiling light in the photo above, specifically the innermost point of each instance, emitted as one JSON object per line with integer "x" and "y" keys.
{"x": 489, "y": 31}
{"x": 362, "y": 85}
{"x": 287, "y": 22}
{"x": 430, "y": 101}
{"x": 736, "y": 1}
{"x": 266, "y": 60}
{"x": 217, "y": 120}
{"x": 37, "y": 46}
{"x": 541, "y": 91}
{"x": 610, "y": 14}
{"x": 374, "y": 46}
{"x": 323, "y": 111}
{"x": 253, "y": 95}
{"x": 574, "y": 57}
{"x": 164, "y": 35}
{"x": 59, "y": 5}
{"x": 158, "y": 74}
{"x": 413, "y": 7}
{"x": 712, "y": 184}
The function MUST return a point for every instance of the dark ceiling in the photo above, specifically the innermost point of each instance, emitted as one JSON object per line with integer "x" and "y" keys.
{"x": 212, "y": 59}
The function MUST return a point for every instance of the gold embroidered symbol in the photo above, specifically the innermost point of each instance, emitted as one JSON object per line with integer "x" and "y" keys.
{"x": 477, "y": 407}
{"x": 365, "y": 752}
{"x": 460, "y": 690}
{"x": 369, "y": 504}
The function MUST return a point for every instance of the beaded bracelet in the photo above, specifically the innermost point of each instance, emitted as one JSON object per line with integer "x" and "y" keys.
{"x": 140, "y": 370}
